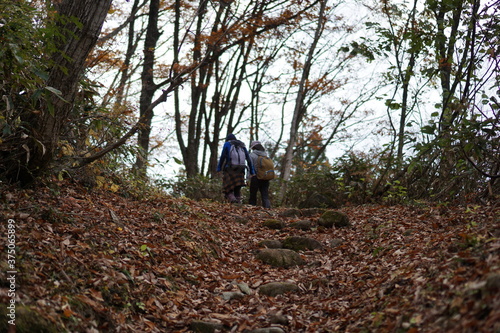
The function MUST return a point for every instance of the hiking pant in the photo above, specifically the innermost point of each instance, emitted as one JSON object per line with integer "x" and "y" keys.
{"x": 262, "y": 186}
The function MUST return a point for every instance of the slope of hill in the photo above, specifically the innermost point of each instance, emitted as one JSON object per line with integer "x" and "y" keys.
{"x": 94, "y": 261}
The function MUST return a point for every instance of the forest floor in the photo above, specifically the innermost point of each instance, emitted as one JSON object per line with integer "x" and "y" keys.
{"x": 95, "y": 261}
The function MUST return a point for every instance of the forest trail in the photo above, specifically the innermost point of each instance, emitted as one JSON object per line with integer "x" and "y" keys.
{"x": 95, "y": 261}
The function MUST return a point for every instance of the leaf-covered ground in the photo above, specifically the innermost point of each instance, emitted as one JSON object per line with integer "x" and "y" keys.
{"x": 94, "y": 261}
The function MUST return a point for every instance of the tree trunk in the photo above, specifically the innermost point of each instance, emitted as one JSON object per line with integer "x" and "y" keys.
{"x": 406, "y": 76}
{"x": 73, "y": 47}
{"x": 299, "y": 110}
{"x": 148, "y": 86}
{"x": 445, "y": 49}
{"x": 125, "y": 72}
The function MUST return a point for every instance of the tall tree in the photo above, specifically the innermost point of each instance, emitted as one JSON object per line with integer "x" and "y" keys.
{"x": 443, "y": 35}
{"x": 126, "y": 69}
{"x": 78, "y": 24}
{"x": 232, "y": 25}
{"x": 300, "y": 107}
{"x": 148, "y": 86}
{"x": 403, "y": 40}
{"x": 405, "y": 68}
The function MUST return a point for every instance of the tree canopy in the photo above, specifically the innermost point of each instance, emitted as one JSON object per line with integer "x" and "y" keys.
{"x": 411, "y": 87}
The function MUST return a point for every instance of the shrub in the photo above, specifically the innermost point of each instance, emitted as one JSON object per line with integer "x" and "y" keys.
{"x": 196, "y": 188}
{"x": 350, "y": 179}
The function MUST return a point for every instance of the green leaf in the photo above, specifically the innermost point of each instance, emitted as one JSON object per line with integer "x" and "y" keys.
{"x": 429, "y": 129}
{"x": 392, "y": 105}
{"x": 50, "y": 106}
{"x": 468, "y": 147}
{"x": 54, "y": 90}
{"x": 41, "y": 74}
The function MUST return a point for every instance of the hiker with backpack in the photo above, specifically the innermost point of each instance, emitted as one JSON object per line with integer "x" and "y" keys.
{"x": 233, "y": 163}
{"x": 264, "y": 172}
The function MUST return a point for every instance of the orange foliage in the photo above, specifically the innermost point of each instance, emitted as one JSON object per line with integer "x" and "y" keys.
{"x": 104, "y": 59}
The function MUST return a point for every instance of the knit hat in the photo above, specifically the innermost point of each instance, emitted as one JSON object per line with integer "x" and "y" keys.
{"x": 230, "y": 137}
{"x": 256, "y": 145}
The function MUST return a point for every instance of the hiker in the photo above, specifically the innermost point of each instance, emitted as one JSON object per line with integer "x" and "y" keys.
{"x": 232, "y": 163}
{"x": 264, "y": 172}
